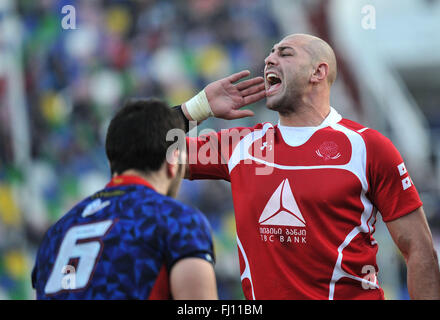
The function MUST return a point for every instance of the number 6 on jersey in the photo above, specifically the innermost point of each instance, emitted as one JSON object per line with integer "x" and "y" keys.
{"x": 84, "y": 243}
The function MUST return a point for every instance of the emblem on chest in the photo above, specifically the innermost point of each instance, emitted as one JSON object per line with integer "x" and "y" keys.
{"x": 328, "y": 150}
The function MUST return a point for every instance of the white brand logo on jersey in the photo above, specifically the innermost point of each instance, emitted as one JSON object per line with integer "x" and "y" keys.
{"x": 282, "y": 209}
{"x": 94, "y": 207}
{"x": 265, "y": 145}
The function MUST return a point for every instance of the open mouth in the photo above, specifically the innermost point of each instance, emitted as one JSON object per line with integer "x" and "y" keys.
{"x": 273, "y": 83}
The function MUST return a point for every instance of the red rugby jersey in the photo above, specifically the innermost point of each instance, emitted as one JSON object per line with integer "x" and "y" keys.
{"x": 305, "y": 201}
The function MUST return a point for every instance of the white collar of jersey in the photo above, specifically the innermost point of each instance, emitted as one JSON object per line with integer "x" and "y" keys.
{"x": 296, "y": 136}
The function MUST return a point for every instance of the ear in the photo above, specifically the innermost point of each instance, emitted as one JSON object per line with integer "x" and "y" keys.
{"x": 320, "y": 73}
{"x": 173, "y": 164}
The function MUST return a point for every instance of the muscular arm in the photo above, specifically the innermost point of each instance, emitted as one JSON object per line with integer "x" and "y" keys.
{"x": 193, "y": 279}
{"x": 413, "y": 237}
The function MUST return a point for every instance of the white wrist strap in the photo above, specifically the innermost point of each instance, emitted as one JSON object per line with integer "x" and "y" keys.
{"x": 198, "y": 107}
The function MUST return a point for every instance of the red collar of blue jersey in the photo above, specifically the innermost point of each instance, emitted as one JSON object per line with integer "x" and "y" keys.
{"x": 124, "y": 180}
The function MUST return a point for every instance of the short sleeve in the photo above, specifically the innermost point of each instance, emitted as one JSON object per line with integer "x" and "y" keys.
{"x": 208, "y": 154}
{"x": 187, "y": 234}
{"x": 390, "y": 186}
{"x": 205, "y": 158}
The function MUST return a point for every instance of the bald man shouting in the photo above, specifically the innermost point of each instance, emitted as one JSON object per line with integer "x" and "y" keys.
{"x": 307, "y": 190}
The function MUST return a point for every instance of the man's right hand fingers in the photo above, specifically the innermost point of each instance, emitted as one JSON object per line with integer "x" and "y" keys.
{"x": 254, "y": 97}
{"x": 238, "y": 114}
{"x": 249, "y": 83}
{"x": 239, "y": 75}
{"x": 253, "y": 89}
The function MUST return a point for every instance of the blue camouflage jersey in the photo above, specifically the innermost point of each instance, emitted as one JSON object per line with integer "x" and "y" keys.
{"x": 119, "y": 243}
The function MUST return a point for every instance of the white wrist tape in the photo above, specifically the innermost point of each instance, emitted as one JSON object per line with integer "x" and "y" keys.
{"x": 198, "y": 107}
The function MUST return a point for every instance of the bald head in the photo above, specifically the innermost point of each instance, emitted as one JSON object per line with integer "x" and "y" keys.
{"x": 318, "y": 50}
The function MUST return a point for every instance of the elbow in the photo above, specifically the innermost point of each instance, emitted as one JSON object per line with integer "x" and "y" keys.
{"x": 431, "y": 254}
{"x": 424, "y": 256}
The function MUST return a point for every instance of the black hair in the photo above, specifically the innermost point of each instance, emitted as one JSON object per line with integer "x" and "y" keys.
{"x": 136, "y": 136}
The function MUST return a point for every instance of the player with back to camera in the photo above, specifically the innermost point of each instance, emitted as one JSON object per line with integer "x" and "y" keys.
{"x": 131, "y": 240}
{"x": 307, "y": 190}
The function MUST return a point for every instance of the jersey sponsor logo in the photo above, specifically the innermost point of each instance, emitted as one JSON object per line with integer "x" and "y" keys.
{"x": 328, "y": 150}
{"x": 108, "y": 194}
{"x": 282, "y": 209}
{"x": 281, "y": 220}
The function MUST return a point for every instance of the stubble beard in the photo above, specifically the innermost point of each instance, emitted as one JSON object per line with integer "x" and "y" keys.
{"x": 288, "y": 101}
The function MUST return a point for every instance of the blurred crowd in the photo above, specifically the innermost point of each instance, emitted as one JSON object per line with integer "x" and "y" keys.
{"x": 75, "y": 79}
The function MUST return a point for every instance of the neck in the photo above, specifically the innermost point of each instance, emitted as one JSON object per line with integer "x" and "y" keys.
{"x": 310, "y": 112}
{"x": 156, "y": 179}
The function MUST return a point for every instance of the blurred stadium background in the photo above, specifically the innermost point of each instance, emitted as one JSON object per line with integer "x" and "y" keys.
{"x": 59, "y": 88}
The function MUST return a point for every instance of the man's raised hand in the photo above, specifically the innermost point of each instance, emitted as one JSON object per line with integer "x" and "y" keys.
{"x": 226, "y": 97}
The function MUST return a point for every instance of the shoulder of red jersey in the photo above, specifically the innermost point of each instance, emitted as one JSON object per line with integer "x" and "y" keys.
{"x": 373, "y": 138}
{"x": 352, "y": 125}
{"x": 390, "y": 186}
